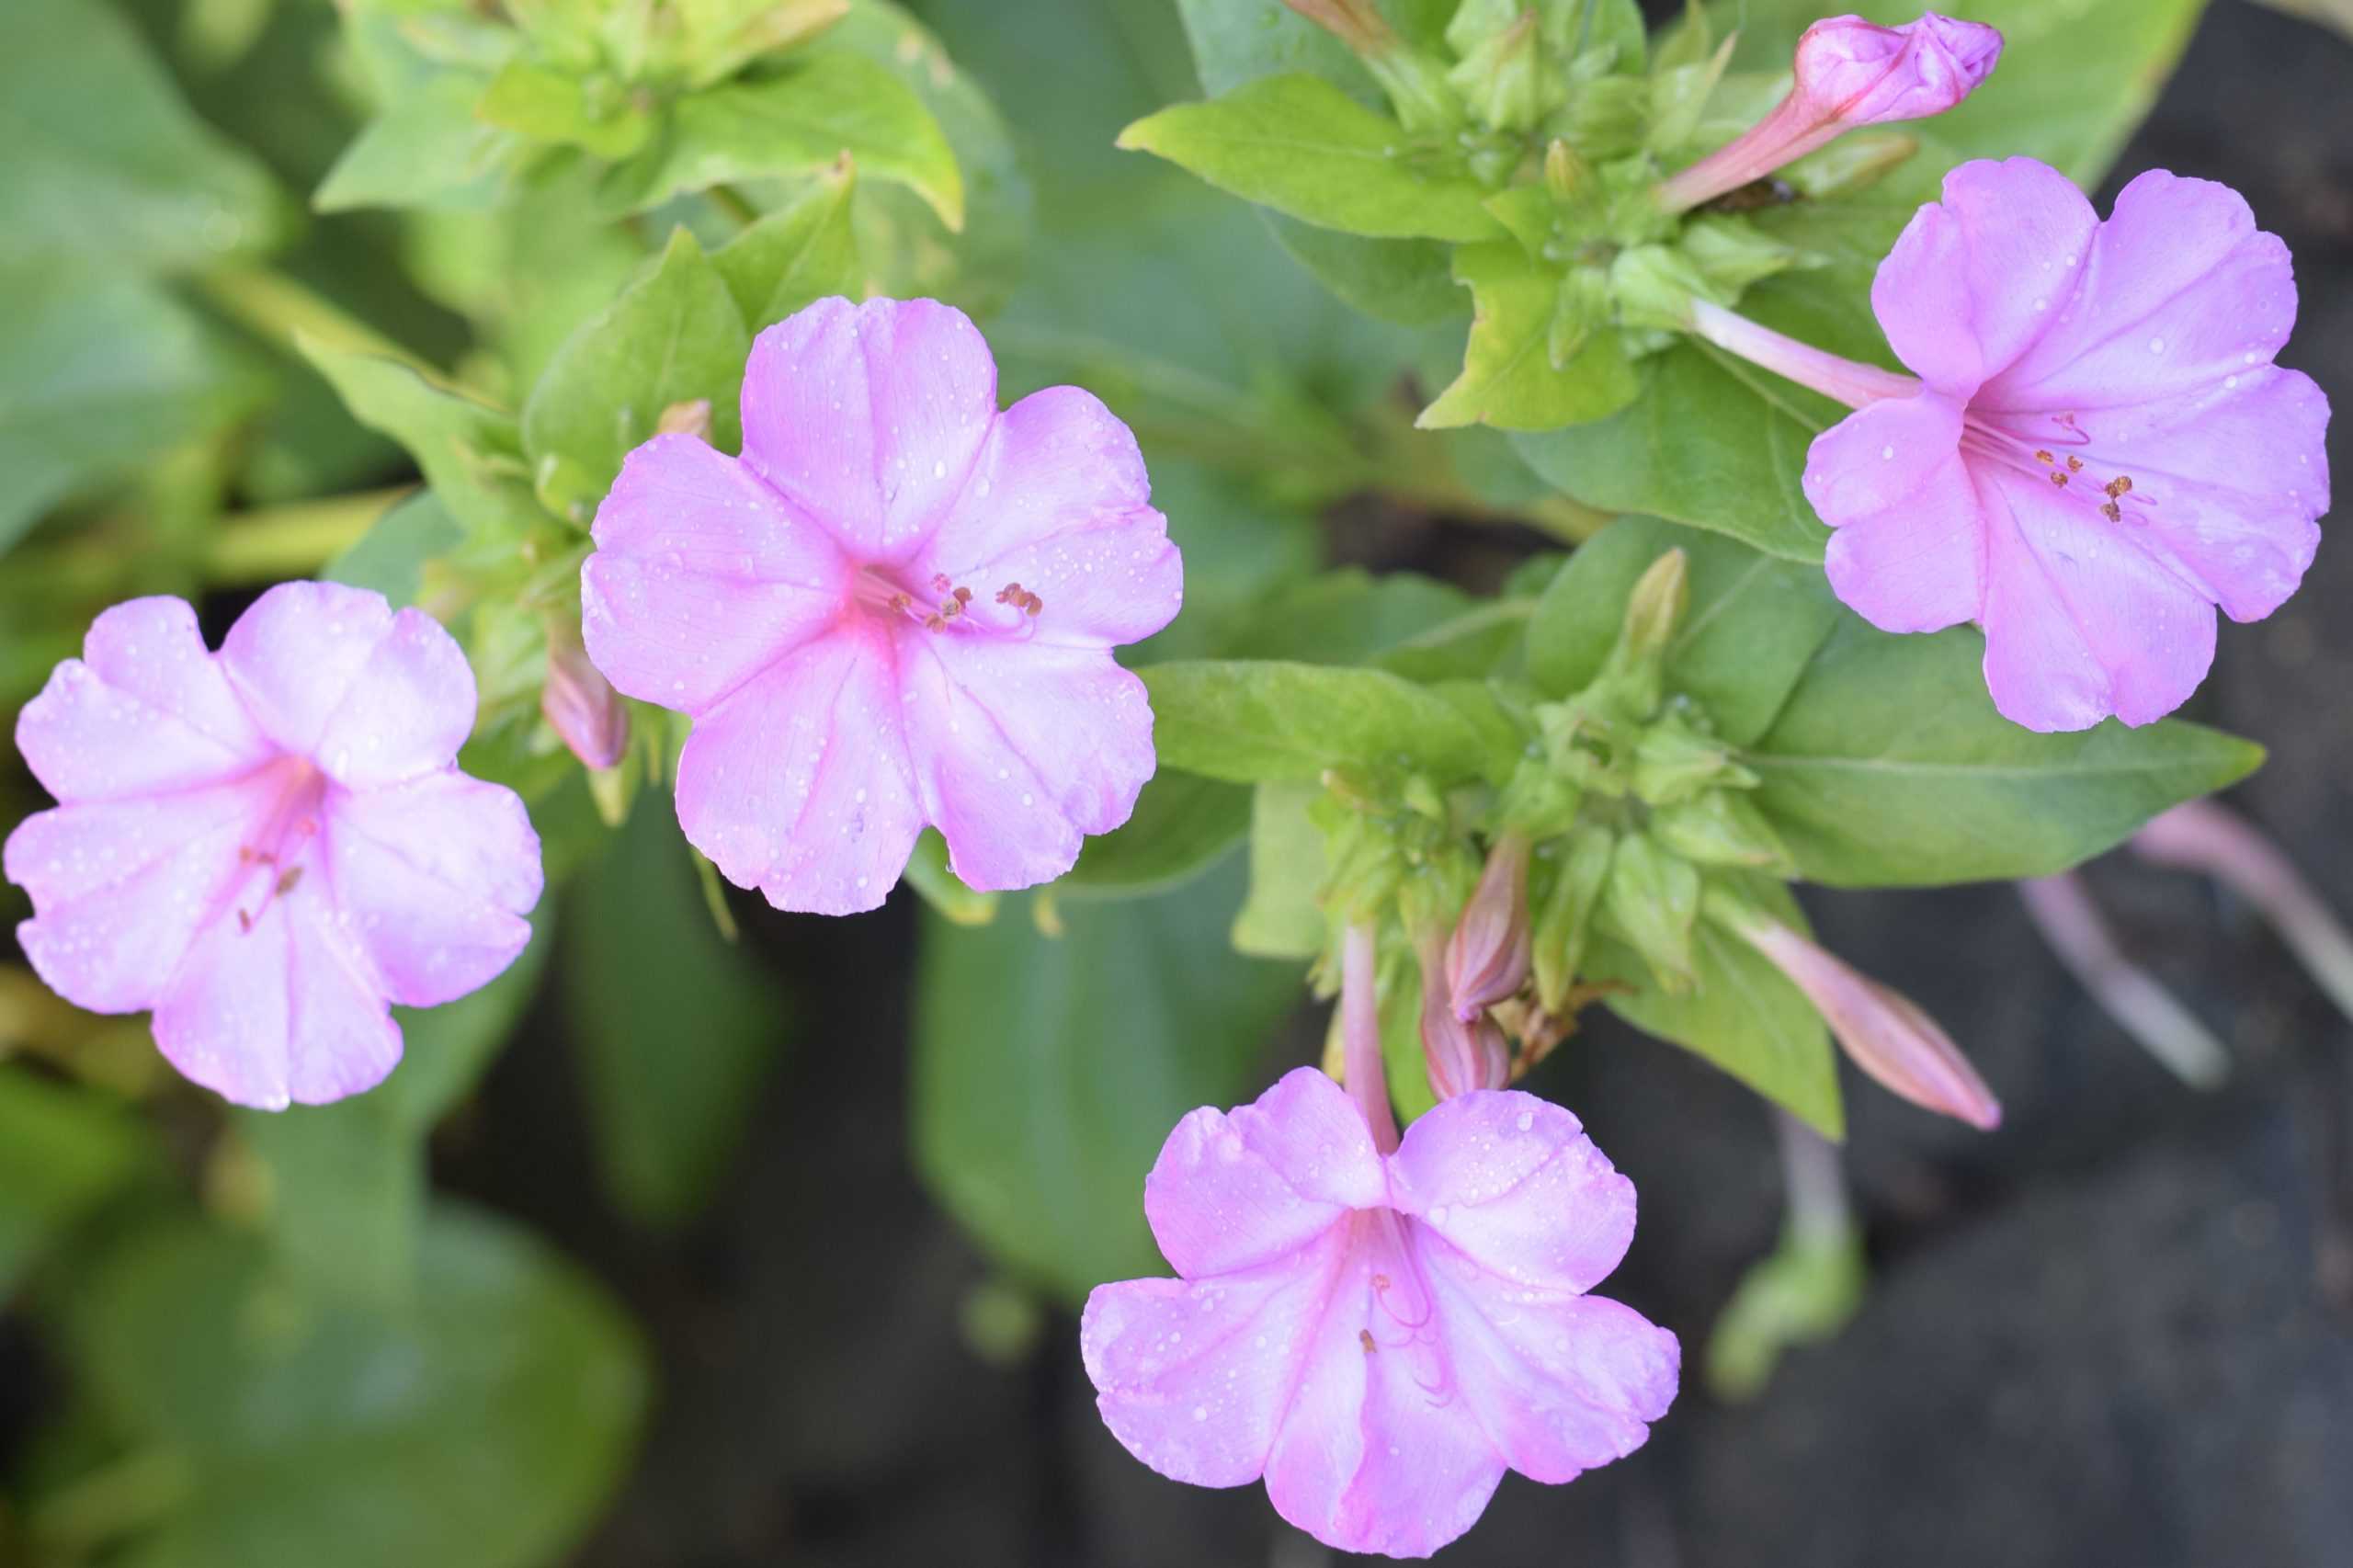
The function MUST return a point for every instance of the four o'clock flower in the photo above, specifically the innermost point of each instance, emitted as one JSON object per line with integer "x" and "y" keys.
{"x": 898, "y": 606}
{"x": 1379, "y": 1327}
{"x": 2095, "y": 449}
{"x": 269, "y": 844}
{"x": 1850, "y": 73}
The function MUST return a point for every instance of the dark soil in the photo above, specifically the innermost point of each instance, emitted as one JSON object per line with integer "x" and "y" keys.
{"x": 2118, "y": 1332}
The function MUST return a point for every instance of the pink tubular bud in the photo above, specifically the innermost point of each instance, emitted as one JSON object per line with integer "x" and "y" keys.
{"x": 1357, "y": 23}
{"x": 580, "y": 704}
{"x": 1850, "y": 73}
{"x": 1486, "y": 959}
{"x": 2199, "y": 836}
{"x": 1460, "y": 1054}
{"x": 1882, "y": 1032}
{"x": 1362, "y": 1074}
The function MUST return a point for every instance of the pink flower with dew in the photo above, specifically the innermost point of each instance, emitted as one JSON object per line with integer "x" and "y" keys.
{"x": 1882, "y": 1031}
{"x": 267, "y": 845}
{"x": 1379, "y": 1327}
{"x": 2096, "y": 451}
{"x": 1849, "y": 73}
{"x": 898, "y": 606}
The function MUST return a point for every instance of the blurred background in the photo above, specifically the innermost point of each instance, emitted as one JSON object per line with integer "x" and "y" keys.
{"x": 723, "y": 1248}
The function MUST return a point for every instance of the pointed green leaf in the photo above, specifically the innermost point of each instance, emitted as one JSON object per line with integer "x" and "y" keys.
{"x": 1301, "y": 146}
{"x": 802, "y": 252}
{"x": 1508, "y": 378}
{"x": 471, "y": 453}
{"x": 1256, "y": 722}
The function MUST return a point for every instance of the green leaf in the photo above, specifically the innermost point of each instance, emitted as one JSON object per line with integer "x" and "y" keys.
{"x": 547, "y": 105}
{"x": 1183, "y": 824}
{"x": 471, "y": 453}
{"x": 802, "y": 252}
{"x": 63, "y": 1151}
{"x": 484, "y": 1430}
{"x": 1253, "y": 722}
{"x": 391, "y": 557}
{"x": 1234, "y": 41}
{"x": 1301, "y": 146}
{"x": 680, "y": 1027}
{"x": 1509, "y": 378}
{"x": 427, "y": 149}
{"x": 1742, "y": 1013}
{"x": 1409, "y": 282}
{"x": 1349, "y": 616}
{"x": 1750, "y": 630}
{"x": 675, "y": 335}
{"x": 99, "y": 374}
{"x": 1049, "y": 1070}
{"x": 2042, "y": 102}
{"x": 1889, "y": 768}
{"x": 1282, "y": 918}
{"x": 824, "y": 105}
{"x": 106, "y": 167}
{"x": 346, "y": 1181}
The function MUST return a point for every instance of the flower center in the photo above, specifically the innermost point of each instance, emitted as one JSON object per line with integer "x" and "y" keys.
{"x": 943, "y": 604}
{"x": 278, "y": 849}
{"x": 2060, "y": 455}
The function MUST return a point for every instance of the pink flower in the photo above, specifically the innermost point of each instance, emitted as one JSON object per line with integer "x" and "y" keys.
{"x": 267, "y": 845}
{"x": 1850, "y": 73}
{"x": 897, "y": 607}
{"x": 1379, "y": 1333}
{"x": 2097, "y": 451}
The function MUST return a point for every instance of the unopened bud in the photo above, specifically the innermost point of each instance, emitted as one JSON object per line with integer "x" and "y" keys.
{"x": 1674, "y": 763}
{"x": 1850, "y": 73}
{"x": 1635, "y": 674}
{"x": 1357, "y": 23}
{"x": 1720, "y": 827}
{"x": 580, "y": 704}
{"x": 1566, "y": 175}
{"x": 1460, "y": 1054}
{"x": 1486, "y": 958}
{"x": 686, "y": 419}
{"x": 1882, "y": 1031}
{"x": 1502, "y": 79}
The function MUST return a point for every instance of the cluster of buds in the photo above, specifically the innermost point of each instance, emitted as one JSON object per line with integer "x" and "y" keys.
{"x": 1628, "y": 827}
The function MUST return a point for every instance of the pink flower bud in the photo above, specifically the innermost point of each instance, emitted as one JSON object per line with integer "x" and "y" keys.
{"x": 1357, "y": 23}
{"x": 1460, "y": 1054}
{"x": 1486, "y": 959}
{"x": 1850, "y": 73}
{"x": 580, "y": 704}
{"x": 1883, "y": 1033}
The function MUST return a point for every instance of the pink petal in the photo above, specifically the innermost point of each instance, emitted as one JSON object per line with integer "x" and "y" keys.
{"x": 1560, "y": 1383}
{"x": 1195, "y": 1378}
{"x": 1907, "y": 552}
{"x": 1234, "y": 1191}
{"x": 145, "y": 708}
{"x": 2227, "y": 482}
{"x": 2080, "y": 621}
{"x": 121, "y": 886}
{"x": 434, "y": 877}
{"x": 2179, "y": 289}
{"x": 1059, "y": 503}
{"x": 333, "y": 674}
{"x": 282, "y": 1011}
{"x": 702, "y": 575}
{"x": 1513, "y": 1182}
{"x": 798, "y": 783}
{"x": 870, "y": 417}
{"x": 1958, "y": 295}
{"x": 1379, "y": 1453}
{"x": 1020, "y": 748}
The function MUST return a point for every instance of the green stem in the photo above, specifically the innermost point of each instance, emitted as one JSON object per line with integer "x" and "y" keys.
{"x": 294, "y": 540}
{"x": 284, "y": 312}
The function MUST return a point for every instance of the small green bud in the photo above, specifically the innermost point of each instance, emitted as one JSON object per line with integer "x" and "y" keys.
{"x": 1566, "y": 175}
{"x": 1564, "y": 924}
{"x": 1674, "y": 762}
{"x": 1651, "y": 901}
{"x": 1721, "y": 827}
{"x": 1654, "y": 285}
{"x": 1580, "y": 309}
{"x": 1688, "y": 43}
{"x": 1733, "y": 253}
{"x": 1680, "y": 98}
{"x": 1503, "y": 79}
{"x": 1632, "y": 681}
{"x": 1605, "y": 117}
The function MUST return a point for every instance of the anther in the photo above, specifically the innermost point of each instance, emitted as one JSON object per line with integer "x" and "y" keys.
{"x": 244, "y": 924}
{"x": 2059, "y": 478}
{"x": 1364, "y": 1337}
{"x": 2074, "y": 465}
{"x": 288, "y": 878}
{"x": 963, "y": 597}
{"x": 2120, "y": 485}
{"x": 2043, "y": 457}
{"x": 2111, "y": 511}
{"x": 939, "y": 582}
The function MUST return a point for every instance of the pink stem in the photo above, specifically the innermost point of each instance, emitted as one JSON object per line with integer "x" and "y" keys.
{"x": 1367, "y": 1080}
{"x": 2071, "y": 923}
{"x": 1846, "y": 381}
